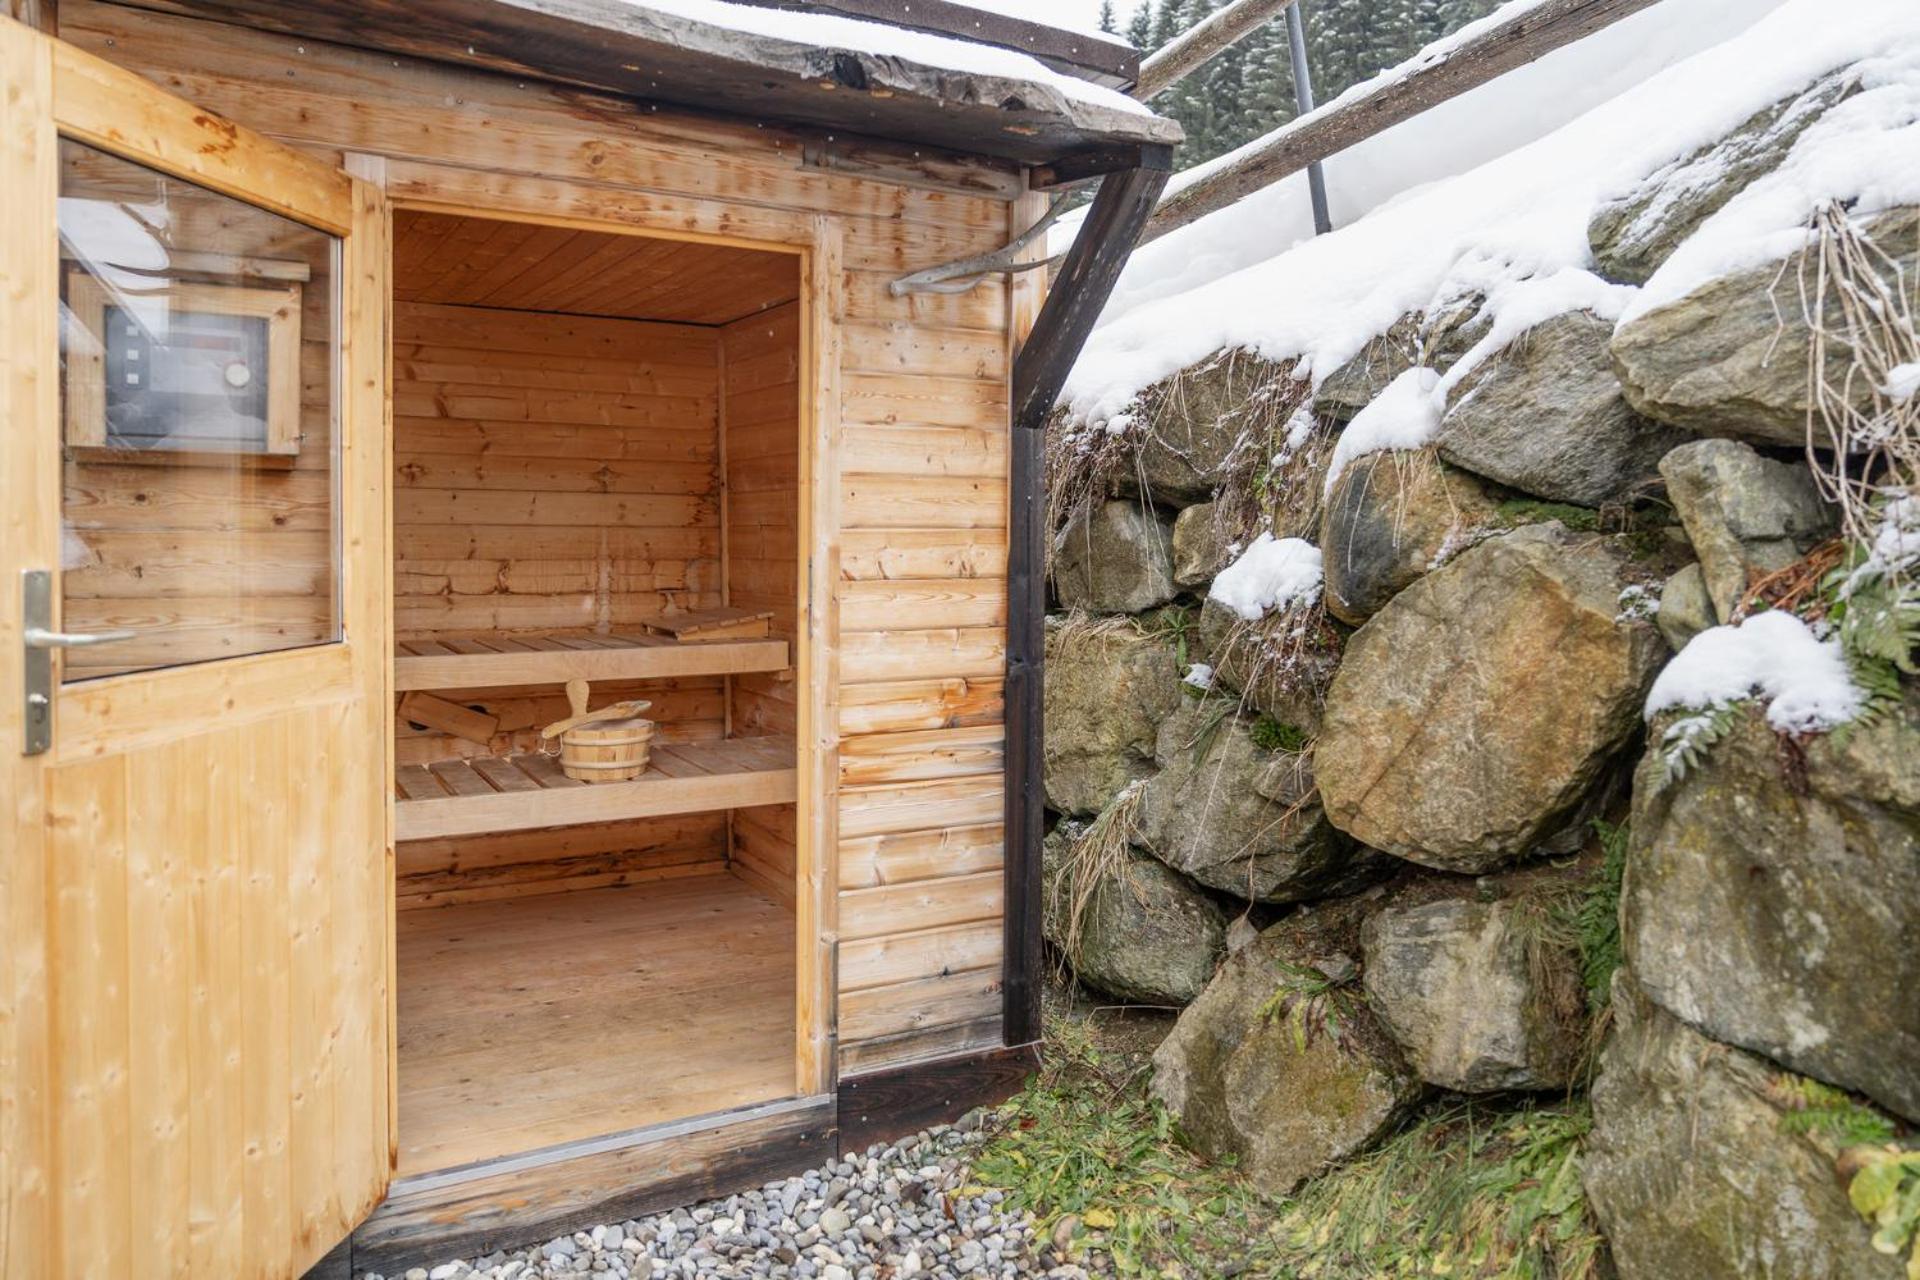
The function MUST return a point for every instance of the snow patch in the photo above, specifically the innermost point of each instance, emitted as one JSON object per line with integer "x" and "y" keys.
{"x": 1405, "y": 415}
{"x": 1199, "y": 675}
{"x": 1772, "y": 654}
{"x": 1860, "y": 154}
{"x": 1903, "y": 382}
{"x": 1273, "y": 573}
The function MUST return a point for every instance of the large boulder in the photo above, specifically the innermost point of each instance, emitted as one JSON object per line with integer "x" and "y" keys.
{"x": 1392, "y": 517}
{"x": 1474, "y": 712}
{"x": 1198, "y": 419}
{"x": 1238, "y": 817}
{"x": 1745, "y": 515}
{"x": 1475, "y": 993}
{"x": 1414, "y": 340}
{"x": 1279, "y": 1064}
{"x": 1695, "y": 1171}
{"x": 1114, "y": 557}
{"x": 1632, "y": 234}
{"x": 1129, "y": 926}
{"x": 1773, "y": 900}
{"x": 1731, "y": 357}
{"x": 1108, "y": 688}
{"x": 1281, "y": 664}
{"x": 1198, "y": 551}
{"x": 1545, "y": 415}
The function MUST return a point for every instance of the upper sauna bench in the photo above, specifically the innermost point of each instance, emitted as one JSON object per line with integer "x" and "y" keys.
{"x": 703, "y": 649}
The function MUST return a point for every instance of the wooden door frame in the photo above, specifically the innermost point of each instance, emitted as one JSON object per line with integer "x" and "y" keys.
{"x": 815, "y": 240}
{"x": 57, "y": 92}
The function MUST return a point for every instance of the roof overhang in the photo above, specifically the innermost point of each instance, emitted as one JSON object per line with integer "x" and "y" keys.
{"x": 629, "y": 49}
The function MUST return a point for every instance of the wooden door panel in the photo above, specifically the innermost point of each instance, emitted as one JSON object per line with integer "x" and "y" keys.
{"x": 195, "y": 973}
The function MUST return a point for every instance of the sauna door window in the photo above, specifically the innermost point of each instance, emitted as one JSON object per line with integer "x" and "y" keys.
{"x": 198, "y": 420}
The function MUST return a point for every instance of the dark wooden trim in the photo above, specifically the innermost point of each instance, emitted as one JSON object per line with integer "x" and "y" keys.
{"x": 1100, "y": 61}
{"x": 1085, "y": 282}
{"x": 889, "y": 1104}
{"x": 1026, "y": 803}
{"x": 523, "y": 1200}
{"x": 1095, "y": 162}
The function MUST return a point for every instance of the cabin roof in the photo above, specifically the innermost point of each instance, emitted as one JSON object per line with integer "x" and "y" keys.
{"x": 754, "y": 60}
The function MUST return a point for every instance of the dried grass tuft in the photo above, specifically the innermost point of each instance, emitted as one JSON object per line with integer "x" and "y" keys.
{"x": 1095, "y": 858}
{"x": 1863, "y": 445}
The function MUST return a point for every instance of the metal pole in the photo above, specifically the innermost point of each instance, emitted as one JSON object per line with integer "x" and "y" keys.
{"x": 1303, "y": 98}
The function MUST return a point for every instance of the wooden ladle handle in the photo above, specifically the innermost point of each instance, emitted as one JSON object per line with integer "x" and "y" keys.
{"x": 577, "y": 693}
{"x": 613, "y": 711}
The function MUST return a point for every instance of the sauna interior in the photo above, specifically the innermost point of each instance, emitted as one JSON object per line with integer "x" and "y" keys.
{"x": 596, "y": 455}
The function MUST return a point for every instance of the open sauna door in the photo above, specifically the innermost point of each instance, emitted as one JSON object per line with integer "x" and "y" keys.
{"x": 194, "y": 953}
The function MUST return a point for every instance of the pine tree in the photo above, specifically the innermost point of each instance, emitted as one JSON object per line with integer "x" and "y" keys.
{"x": 1107, "y": 23}
{"x": 1140, "y": 27}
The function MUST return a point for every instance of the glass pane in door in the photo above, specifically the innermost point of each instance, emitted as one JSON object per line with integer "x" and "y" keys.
{"x": 199, "y": 356}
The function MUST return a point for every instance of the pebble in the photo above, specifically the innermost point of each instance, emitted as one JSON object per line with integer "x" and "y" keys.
{"x": 892, "y": 1213}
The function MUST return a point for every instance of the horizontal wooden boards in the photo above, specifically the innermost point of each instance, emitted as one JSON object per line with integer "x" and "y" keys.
{"x": 490, "y": 262}
{"x": 545, "y": 1020}
{"x": 494, "y": 793}
{"x": 538, "y": 659}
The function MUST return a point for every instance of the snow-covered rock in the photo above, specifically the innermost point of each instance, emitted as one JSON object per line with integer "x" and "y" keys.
{"x": 1545, "y": 415}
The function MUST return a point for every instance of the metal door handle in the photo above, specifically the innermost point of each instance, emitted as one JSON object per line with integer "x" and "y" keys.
{"x": 36, "y": 611}
{"x": 41, "y": 638}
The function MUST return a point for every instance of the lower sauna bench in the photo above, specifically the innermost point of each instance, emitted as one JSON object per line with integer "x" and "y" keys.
{"x": 510, "y": 793}
{"x": 531, "y": 1022}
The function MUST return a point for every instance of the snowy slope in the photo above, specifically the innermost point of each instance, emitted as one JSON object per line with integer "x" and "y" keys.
{"x": 1453, "y": 137}
{"x": 1515, "y": 227}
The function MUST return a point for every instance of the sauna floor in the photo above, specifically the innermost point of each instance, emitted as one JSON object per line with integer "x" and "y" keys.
{"x": 528, "y": 1022}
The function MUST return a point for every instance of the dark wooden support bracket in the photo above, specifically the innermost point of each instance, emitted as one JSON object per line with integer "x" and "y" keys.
{"x": 1081, "y": 166}
{"x": 1079, "y": 292}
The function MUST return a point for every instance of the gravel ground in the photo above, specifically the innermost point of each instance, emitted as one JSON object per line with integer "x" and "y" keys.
{"x": 890, "y": 1214}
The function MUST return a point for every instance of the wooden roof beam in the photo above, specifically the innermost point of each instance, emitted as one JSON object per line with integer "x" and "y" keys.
{"x": 1202, "y": 43}
{"x": 1528, "y": 35}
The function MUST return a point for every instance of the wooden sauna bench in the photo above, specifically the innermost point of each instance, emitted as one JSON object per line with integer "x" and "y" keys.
{"x": 615, "y": 1009}
{"x": 486, "y": 794}
{"x": 549, "y": 659}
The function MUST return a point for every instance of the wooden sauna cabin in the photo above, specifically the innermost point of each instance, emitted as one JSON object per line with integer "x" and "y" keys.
{"x": 375, "y": 371}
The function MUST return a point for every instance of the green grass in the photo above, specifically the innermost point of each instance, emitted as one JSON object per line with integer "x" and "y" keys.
{"x": 1273, "y": 735}
{"x": 1085, "y": 1140}
{"x": 1518, "y": 511}
{"x": 1596, "y": 916}
{"x": 1471, "y": 1190}
{"x": 1474, "y": 1189}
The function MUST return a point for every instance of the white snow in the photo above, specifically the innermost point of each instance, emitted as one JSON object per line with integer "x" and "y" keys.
{"x": 1515, "y": 227}
{"x": 1772, "y": 654}
{"x": 834, "y": 32}
{"x": 1903, "y": 382}
{"x": 1863, "y": 154}
{"x": 1448, "y": 139}
{"x": 1273, "y": 573}
{"x": 1405, "y": 415}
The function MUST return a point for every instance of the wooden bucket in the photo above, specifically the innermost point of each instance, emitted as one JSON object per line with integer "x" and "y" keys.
{"x": 607, "y": 750}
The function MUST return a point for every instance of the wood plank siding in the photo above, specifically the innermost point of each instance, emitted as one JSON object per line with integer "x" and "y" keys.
{"x": 909, "y": 647}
